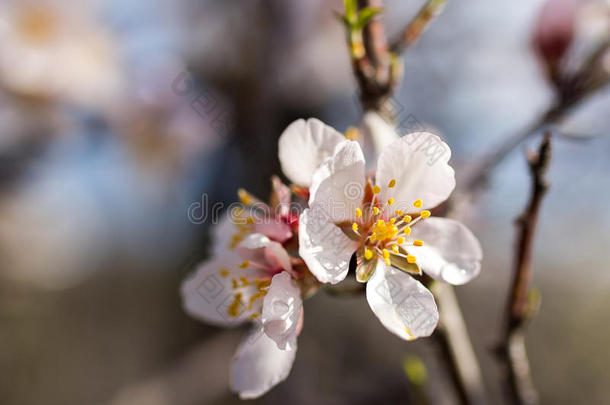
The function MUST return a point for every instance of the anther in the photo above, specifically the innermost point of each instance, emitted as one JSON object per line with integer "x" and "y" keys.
{"x": 245, "y": 264}
{"x": 411, "y": 259}
{"x": 417, "y": 203}
{"x": 390, "y": 201}
{"x": 376, "y": 189}
{"x": 425, "y": 214}
{"x": 368, "y": 255}
{"x": 244, "y": 196}
{"x": 400, "y": 240}
{"x": 392, "y": 183}
{"x": 358, "y": 212}
{"x": 418, "y": 243}
{"x": 354, "y": 226}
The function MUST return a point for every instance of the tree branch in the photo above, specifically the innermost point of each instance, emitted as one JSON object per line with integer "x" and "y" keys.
{"x": 371, "y": 60}
{"x": 455, "y": 343}
{"x": 520, "y": 310}
{"x": 418, "y": 24}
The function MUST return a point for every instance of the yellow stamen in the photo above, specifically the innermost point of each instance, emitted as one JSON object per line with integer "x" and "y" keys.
{"x": 358, "y": 212}
{"x": 244, "y": 281}
{"x": 392, "y": 221}
{"x": 425, "y": 214}
{"x": 376, "y": 189}
{"x": 407, "y": 218}
{"x": 400, "y": 240}
{"x": 224, "y": 272}
{"x": 235, "y": 284}
{"x": 245, "y": 264}
{"x": 390, "y": 201}
{"x": 244, "y": 197}
{"x": 387, "y": 262}
{"x": 354, "y": 226}
{"x": 418, "y": 243}
{"x": 395, "y": 249}
{"x": 375, "y": 210}
{"x": 233, "y": 309}
{"x": 386, "y": 254}
{"x": 254, "y": 316}
{"x": 352, "y": 133}
{"x": 249, "y": 220}
{"x": 368, "y": 255}
{"x": 411, "y": 259}
{"x": 407, "y": 230}
{"x": 392, "y": 183}
{"x": 417, "y": 203}
{"x": 384, "y": 230}
{"x": 398, "y": 212}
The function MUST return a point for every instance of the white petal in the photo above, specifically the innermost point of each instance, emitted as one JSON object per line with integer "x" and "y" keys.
{"x": 324, "y": 247}
{"x": 451, "y": 252}
{"x": 259, "y": 365}
{"x": 378, "y": 133}
{"x": 402, "y": 304}
{"x": 282, "y": 310}
{"x": 303, "y": 146}
{"x": 208, "y": 293}
{"x": 338, "y": 184}
{"x": 260, "y": 249}
{"x": 222, "y": 234}
{"x": 418, "y": 163}
{"x": 274, "y": 229}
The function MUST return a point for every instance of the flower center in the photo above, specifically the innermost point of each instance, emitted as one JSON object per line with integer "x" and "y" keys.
{"x": 384, "y": 233}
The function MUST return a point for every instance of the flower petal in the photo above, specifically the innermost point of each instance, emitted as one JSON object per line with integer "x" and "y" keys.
{"x": 274, "y": 228}
{"x": 450, "y": 253}
{"x": 303, "y": 146}
{"x": 259, "y": 365}
{"x": 338, "y": 184}
{"x": 282, "y": 310}
{"x": 324, "y": 247}
{"x": 219, "y": 291}
{"x": 418, "y": 163}
{"x": 403, "y": 305}
{"x": 378, "y": 134}
{"x": 260, "y": 249}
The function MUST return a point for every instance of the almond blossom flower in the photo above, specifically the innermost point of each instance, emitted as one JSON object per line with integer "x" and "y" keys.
{"x": 385, "y": 220}
{"x": 252, "y": 277}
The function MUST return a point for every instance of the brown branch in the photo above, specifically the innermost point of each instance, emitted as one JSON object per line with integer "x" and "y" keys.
{"x": 372, "y": 67}
{"x": 418, "y": 24}
{"x": 452, "y": 336}
{"x": 572, "y": 91}
{"x": 512, "y": 350}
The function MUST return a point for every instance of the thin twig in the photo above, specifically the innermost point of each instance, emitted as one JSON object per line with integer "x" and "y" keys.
{"x": 512, "y": 350}
{"x": 456, "y": 345}
{"x": 573, "y": 91}
{"x": 418, "y": 24}
{"x": 373, "y": 67}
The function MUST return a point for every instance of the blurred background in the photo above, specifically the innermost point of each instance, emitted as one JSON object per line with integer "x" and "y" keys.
{"x": 117, "y": 116}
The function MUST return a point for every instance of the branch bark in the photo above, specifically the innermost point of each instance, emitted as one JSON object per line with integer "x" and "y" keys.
{"x": 417, "y": 25}
{"x": 512, "y": 351}
{"x": 372, "y": 68}
{"x": 455, "y": 343}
